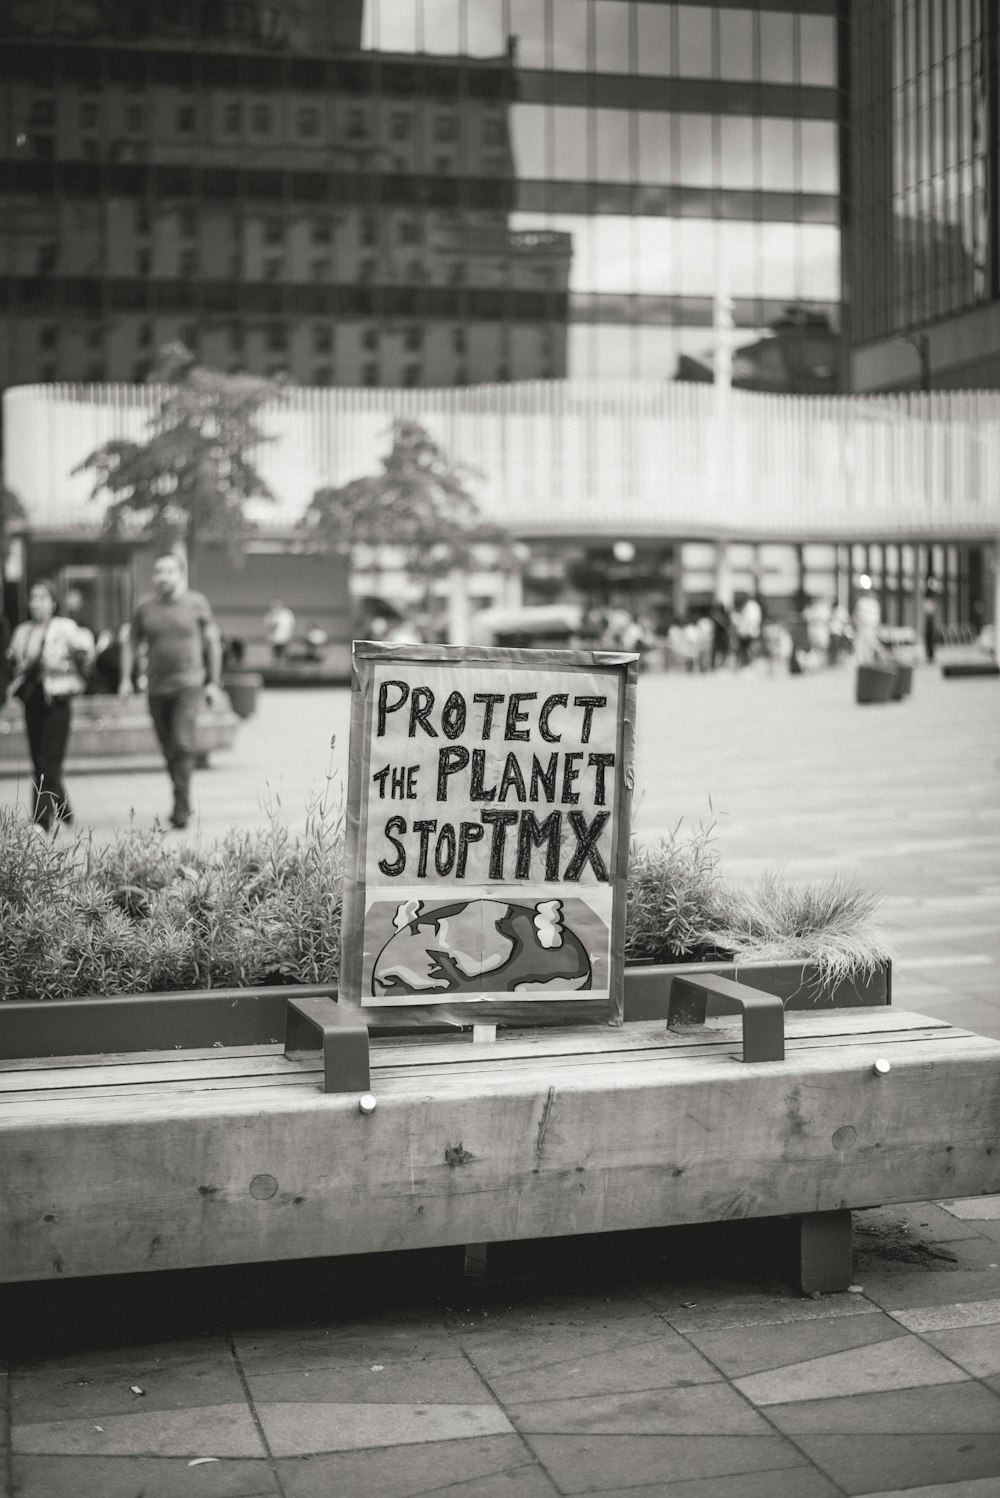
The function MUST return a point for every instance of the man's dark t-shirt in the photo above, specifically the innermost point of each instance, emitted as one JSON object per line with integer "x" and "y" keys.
{"x": 174, "y": 634}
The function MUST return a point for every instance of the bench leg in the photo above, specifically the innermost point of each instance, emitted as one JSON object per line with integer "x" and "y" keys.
{"x": 477, "y": 1261}
{"x": 823, "y": 1247}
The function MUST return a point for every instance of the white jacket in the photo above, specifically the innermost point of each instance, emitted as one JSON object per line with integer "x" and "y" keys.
{"x": 67, "y": 648}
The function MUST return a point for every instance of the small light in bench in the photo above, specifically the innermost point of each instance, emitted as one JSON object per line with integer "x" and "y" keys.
{"x": 367, "y": 1103}
{"x": 882, "y": 1068}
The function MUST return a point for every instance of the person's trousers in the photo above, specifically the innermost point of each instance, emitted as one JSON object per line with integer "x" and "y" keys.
{"x": 175, "y": 723}
{"x": 47, "y": 725}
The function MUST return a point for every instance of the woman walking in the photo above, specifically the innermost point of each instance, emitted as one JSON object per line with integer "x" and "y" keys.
{"x": 51, "y": 656}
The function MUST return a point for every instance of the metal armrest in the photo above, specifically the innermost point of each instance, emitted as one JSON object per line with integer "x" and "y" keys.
{"x": 313, "y": 1024}
{"x": 763, "y": 1013}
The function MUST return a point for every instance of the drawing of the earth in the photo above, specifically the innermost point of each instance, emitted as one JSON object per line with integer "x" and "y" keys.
{"x": 467, "y": 946}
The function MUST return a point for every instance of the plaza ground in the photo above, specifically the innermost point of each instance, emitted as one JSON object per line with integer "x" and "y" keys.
{"x": 670, "y": 1363}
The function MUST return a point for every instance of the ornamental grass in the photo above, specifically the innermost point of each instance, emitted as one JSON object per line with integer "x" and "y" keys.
{"x": 147, "y": 913}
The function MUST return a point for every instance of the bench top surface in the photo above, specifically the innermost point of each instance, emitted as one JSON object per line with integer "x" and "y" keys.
{"x": 635, "y": 1054}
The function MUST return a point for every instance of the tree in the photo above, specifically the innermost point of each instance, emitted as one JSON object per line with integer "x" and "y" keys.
{"x": 419, "y": 504}
{"x": 192, "y": 477}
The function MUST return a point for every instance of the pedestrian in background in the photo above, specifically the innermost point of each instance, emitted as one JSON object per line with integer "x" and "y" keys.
{"x": 51, "y": 655}
{"x": 280, "y": 623}
{"x": 930, "y": 621}
{"x": 748, "y": 622}
{"x": 183, "y": 650}
{"x": 867, "y": 619}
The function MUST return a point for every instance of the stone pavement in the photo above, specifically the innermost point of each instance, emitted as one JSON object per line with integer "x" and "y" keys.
{"x": 668, "y": 1363}
{"x": 671, "y": 1362}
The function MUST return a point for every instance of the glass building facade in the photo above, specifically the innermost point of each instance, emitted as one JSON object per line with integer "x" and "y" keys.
{"x": 685, "y": 149}
{"x": 923, "y": 121}
{"x": 411, "y": 192}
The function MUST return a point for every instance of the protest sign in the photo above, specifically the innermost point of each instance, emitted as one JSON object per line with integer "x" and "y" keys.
{"x": 487, "y": 833}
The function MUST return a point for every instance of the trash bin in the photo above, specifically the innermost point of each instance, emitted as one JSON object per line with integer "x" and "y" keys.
{"x": 874, "y": 683}
{"x": 903, "y": 684}
{"x": 242, "y": 688}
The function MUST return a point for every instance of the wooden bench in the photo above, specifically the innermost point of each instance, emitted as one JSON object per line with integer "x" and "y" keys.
{"x": 215, "y": 1155}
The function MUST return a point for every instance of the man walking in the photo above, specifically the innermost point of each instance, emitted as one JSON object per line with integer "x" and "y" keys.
{"x": 183, "y": 665}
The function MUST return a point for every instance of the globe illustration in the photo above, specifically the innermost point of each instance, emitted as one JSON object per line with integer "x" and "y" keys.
{"x": 475, "y": 946}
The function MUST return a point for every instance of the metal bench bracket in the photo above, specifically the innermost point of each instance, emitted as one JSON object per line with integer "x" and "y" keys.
{"x": 763, "y": 1013}
{"x": 313, "y": 1024}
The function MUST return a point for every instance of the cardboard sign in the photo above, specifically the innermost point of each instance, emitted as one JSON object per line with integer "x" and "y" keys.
{"x": 487, "y": 835}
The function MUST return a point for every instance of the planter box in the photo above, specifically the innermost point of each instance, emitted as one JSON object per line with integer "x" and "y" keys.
{"x": 256, "y": 1016}
{"x": 108, "y": 728}
{"x": 874, "y": 683}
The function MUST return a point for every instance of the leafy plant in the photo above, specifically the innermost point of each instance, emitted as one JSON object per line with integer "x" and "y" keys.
{"x": 419, "y": 505}
{"x": 193, "y": 476}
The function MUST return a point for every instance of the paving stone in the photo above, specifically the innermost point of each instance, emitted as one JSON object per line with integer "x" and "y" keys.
{"x": 211, "y": 1430}
{"x": 933, "y": 1318}
{"x": 760, "y": 1310}
{"x": 132, "y": 1363}
{"x": 302, "y": 1429}
{"x": 594, "y": 1361}
{"x": 59, "y": 1393}
{"x": 947, "y": 1408}
{"x": 973, "y": 1208}
{"x": 405, "y": 1471}
{"x": 974, "y": 1348}
{"x": 526, "y": 1308}
{"x": 973, "y": 1487}
{"x": 754, "y": 1349}
{"x": 594, "y": 1464}
{"x": 389, "y": 1341}
{"x": 521, "y": 1482}
{"x": 933, "y": 1286}
{"x": 900, "y": 1363}
{"x": 704, "y": 1410}
{"x": 927, "y": 1221}
{"x": 878, "y": 1463}
{"x": 789, "y": 1482}
{"x": 426, "y": 1381}
{"x": 129, "y": 1477}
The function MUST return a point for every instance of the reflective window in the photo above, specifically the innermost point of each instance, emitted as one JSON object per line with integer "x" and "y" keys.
{"x": 569, "y": 143}
{"x": 527, "y": 24}
{"x": 736, "y": 152}
{"x": 612, "y": 157}
{"x": 484, "y": 33}
{"x": 440, "y": 26}
{"x": 528, "y": 129}
{"x": 655, "y": 155}
{"x": 777, "y": 47}
{"x": 820, "y": 169}
{"x": 569, "y": 35}
{"x": 694, "y": 41}
{"x": 393, "y": 28}
{"x": 611, "y": 36}
{"x": 818, "y": 50}
{"x": 735, "y": 44}
{"x": 777, "y": 155}
{"x": 695, "y": 154}
{"x": 655, "y": 256}
{"x": 654, "y": 41}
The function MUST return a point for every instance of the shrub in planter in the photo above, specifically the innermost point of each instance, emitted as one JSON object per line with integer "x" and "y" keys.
{"x": 144, "y": 914}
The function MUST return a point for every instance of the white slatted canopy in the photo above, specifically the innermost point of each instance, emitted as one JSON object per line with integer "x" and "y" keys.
{"x": 574, "y": 458}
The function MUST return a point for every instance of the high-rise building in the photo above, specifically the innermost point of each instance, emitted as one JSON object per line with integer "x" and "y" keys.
{"x": 922, "y": 268}
{"x": 411, "y": 192}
